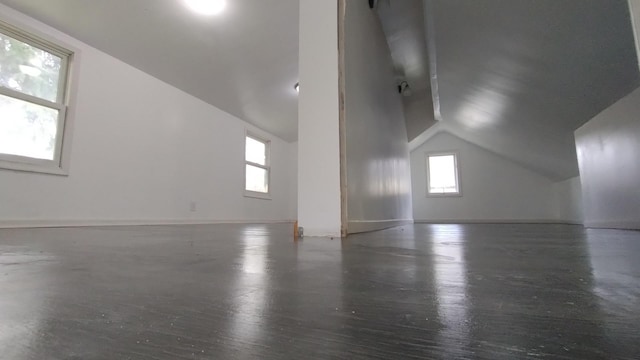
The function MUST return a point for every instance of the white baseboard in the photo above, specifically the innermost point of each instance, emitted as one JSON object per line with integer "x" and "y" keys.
{"x": 622, "y": 225}
{"x": 498, "y": 221}
{"x": 571, "y": 222}
{"x": 355, "y": 227}
{"x": 321, "y": 233}
{"x": 15, "y": 224}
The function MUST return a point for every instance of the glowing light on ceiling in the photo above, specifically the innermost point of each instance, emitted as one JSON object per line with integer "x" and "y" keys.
{"x": 207, "y": 7}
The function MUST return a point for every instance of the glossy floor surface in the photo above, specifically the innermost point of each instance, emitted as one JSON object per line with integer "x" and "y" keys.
{"x": 250, "y": 292}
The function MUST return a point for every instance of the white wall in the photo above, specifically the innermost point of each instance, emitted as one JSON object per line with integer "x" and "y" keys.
{"x": 608, "y": 149}
{"x": 567, "y": 198}
{"x": 292, "y": 181}
{"x": 377, "y": 151}
{"x": 319, "y": 205}
{"x": 493, "y": 188}
{"x": 142, "y": 151}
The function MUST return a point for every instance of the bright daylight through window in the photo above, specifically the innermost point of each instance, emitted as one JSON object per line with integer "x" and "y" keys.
{"x": 33, "y": 78}
{"x": 442, "y": 174}
{"x": 256, "y": 166}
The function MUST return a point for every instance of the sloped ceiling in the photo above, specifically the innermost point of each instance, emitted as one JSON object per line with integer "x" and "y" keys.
{"x": 243, "y": 61}
{"x": 517, "y": 77}
{"x": 404, "y": 26}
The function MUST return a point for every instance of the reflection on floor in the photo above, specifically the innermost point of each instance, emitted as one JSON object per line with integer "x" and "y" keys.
{"x": 250, "y": 292}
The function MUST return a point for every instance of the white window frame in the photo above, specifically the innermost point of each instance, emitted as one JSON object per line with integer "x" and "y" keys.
{"x": 456, "y": 163}
{"x": 267, "y": 166}
{"x": 60, "y": 163}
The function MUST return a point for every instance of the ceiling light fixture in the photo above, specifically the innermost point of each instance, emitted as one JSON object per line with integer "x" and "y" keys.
{"x": 206, "y": 7}
{"x": 297, "y": 87}
{"x": 404, "y": 89}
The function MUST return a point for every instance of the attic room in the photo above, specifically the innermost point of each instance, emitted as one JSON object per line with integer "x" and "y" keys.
{"x": 357, "y": 179}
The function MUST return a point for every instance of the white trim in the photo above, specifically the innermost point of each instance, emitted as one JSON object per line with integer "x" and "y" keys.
{"x": 35, "y": 38}
{"x": 570, "y": 222}
{"x": 321, "y": 233}
{"x": 354, "y": 227}
{"x": 456, "y": 168}
{"x": 30, "y": 99}
{"x": 634, "y": 12}
{"x": 47, "y": 167}
{"x": 73, "y": 66}
{"x": 257, "y": 195}
{"x": 621, "y": 225}
{"x": 19, "y": 224}
{"x": 426, "y": 135}
{"x": 66, "y": 94}
{"x": 497, "y": 221}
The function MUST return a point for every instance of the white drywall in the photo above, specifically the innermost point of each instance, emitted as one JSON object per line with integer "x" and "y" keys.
{"x": 494, "y": 189}
{"x": 567, "y": 198}
{"x": 608, "y": 149}
{"x": 377, "y": 151}
{"x": 319, "y": 208}
{"x": 293, "y": 180}
{"x": 142, "y": 152}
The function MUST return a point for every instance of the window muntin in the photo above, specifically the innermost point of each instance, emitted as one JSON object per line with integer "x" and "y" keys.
{"x": 442, "y": 174}
{"x": 257, "y": 167}
{"x": 33, "y": 83}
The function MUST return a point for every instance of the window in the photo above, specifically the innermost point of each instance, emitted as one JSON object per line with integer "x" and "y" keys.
{"x": 442, "y": 174}
{"x": 33, "y": 98}
{"x": 257, "y": 169}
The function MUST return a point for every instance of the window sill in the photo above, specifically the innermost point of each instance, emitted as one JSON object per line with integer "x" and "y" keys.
{"x": 48, "y": 169}
{"x": 257, "y": 195}
{"x": 446, "y": 195}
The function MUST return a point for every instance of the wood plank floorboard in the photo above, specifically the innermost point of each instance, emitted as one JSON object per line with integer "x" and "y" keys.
{"x": 250, "y": 292}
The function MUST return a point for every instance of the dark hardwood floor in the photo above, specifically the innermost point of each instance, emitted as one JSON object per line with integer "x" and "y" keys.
{"x": 250, "y": 292}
